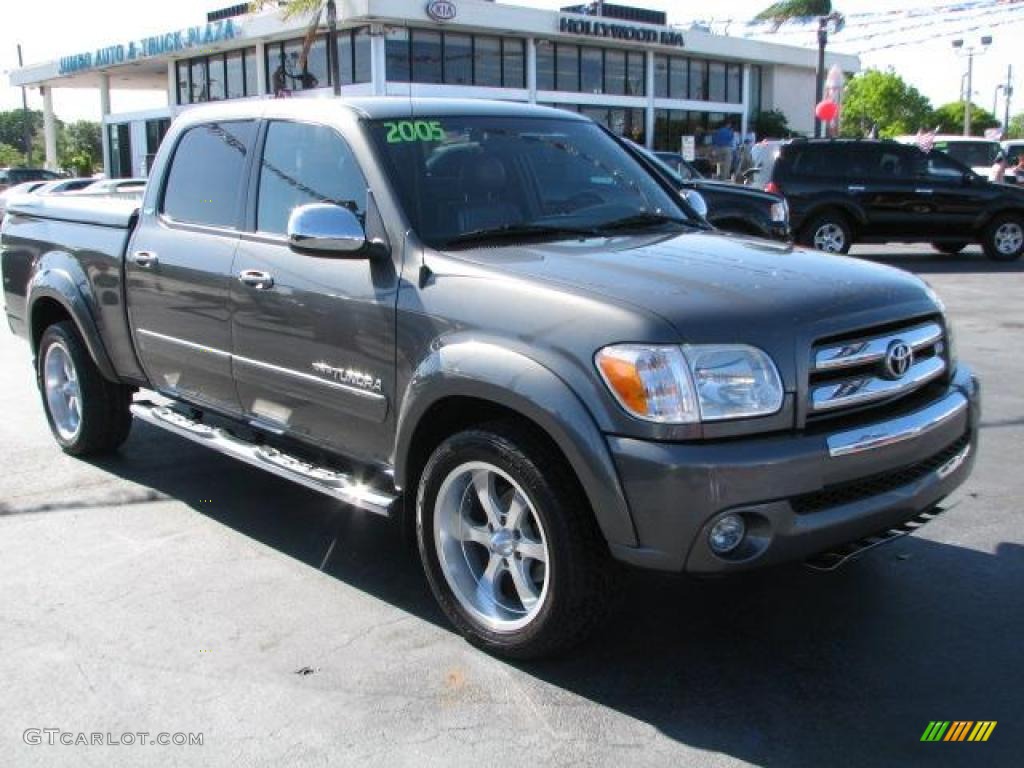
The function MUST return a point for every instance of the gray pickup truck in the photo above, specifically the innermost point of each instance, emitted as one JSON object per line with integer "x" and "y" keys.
{"x": 488, "y": 321}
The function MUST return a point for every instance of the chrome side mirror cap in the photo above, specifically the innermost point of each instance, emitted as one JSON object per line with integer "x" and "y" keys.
{"x": 326, "y": 229}
{"x": 696, "y": 201}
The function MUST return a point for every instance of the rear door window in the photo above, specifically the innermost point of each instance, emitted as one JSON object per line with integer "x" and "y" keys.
{"x": 207, "y": 174}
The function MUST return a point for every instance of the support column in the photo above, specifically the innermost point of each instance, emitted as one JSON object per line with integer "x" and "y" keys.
{"x": 104, "y": 111}
{"x": 172, "y": 85}
{"x": 649, "y": 109}
{"x": 49, "y": 129}
{"x": 745, "y": 90}
{"x": 378, "y": 60}
{"x": 531, "y": 68}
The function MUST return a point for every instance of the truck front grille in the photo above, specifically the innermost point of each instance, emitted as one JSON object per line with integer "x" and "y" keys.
{"x": 874, "y": 368}
{"x": 876, "y": 485}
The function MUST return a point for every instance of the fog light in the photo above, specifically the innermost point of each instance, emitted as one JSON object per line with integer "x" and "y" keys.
{"x": 726, "y": 534}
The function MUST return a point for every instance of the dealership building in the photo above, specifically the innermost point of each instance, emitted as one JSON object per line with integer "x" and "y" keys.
{"x": 622, "y": 66}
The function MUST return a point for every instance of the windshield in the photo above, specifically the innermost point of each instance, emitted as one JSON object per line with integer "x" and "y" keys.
{"x": 973, "y": 154}
{"x": 462, "y": 179}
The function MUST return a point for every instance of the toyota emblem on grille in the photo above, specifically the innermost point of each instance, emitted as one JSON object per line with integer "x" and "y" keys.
{"x": 898, "y": 359}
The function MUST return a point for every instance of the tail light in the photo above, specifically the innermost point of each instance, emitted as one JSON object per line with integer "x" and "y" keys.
{"x": 772, "y": 187}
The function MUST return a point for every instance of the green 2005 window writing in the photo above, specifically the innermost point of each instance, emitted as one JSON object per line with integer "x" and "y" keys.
{"x": 414, "y": 130}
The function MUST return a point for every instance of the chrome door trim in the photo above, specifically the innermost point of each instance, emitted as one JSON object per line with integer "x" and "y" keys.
{"x": 899, "y": 430}
{"x": 309, "y": 377}
{"x": 183, "y": 343}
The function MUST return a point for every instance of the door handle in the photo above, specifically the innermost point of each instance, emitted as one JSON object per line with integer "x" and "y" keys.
{"x": 254, "y": 278}
{"x": 924, "y": 191}
{"x": 145, "y": 258}
{"x": 855, "y": 188}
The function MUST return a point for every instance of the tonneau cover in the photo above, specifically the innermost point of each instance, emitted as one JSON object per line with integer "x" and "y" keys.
{"x": 101, "y": 211}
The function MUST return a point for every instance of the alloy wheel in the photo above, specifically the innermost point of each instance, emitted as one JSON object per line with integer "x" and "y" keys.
{"x": 63, "y": 393}
{"x": 830, "y": 238}
{"x": 1008, "y": 238}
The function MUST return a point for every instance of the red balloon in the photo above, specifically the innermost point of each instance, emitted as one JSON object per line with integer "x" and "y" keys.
{"x": 826, "y": 110}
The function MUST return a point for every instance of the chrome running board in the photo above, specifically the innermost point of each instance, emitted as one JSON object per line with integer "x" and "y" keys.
{"x": 327, "y": 481}
{"x": 829, "y": 561}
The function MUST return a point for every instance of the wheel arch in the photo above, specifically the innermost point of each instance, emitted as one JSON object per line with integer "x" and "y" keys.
{"x": 471, "y": 382}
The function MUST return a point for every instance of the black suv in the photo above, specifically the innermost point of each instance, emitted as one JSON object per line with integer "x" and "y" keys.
{"x": 11, "y": 176}
{"x": 846, "y": 191}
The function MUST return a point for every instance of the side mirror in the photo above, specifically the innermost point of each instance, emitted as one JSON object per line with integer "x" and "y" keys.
{"x": 696, "y": 201}
{"x": 326, "y": 229}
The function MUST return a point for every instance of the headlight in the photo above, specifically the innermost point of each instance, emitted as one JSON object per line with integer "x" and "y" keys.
{"x": 683, "y": 385}
{"x": 780, "y": 212}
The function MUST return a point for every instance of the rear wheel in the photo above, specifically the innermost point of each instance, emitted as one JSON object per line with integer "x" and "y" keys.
{"x": 511, "y": 550}
{"x": 829, "y": 232}
{"x": 950, "y": 249}
{"x": 88, "y": 415}
{"x": 1004, "y": 238}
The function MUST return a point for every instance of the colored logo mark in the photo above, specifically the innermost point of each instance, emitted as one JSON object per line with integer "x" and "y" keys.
{"x": 958, "y": 730}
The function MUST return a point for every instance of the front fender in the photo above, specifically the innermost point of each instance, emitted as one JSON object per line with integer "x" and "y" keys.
{"x": 489, "y": 372}
{"x": 59, "y": 277}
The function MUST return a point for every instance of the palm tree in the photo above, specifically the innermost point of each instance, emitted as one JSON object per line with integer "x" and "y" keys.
{"x": 785, "y": 10}
{"x": 314, "y": 9}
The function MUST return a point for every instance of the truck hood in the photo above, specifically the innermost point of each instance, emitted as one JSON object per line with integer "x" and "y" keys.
{"x": 715, "y": 288}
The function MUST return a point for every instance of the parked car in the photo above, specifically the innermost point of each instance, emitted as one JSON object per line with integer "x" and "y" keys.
{"x": 131, "y": 188}
{"x": 532, "y": 355}
{"x": 25, "y": 188}
{"x": 10, "y": 177}
{"x": 63, "y": 186}
{"x": 730, "y": 207}
{"x": 846, "y": 191}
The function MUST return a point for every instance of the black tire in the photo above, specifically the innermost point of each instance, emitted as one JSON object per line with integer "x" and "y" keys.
{"x": 105, "y": 418}
{"x": 842, "y": 233}
{"x": 950, "y": 249}
{"x": 994, "y": 240}
{"x": 580, "y": 571}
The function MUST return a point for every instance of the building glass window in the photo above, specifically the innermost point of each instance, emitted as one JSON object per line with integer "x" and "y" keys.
{"x": 397, "y": 48}
{"x": 207, "y": 173}
{"x": 199, "y": 92}
{"x": 513, "y": 62}
{"x": 305, "y": 164}
{"x": 361, "y": 55}
{"x": 120, "y": 146}
{"x": 661, "y": 77}
{"x": 251, "y": 63}
{"x": 181, "y": 71}
{"x": 487, "y": 61}
{"x": 567, "y": 67}
{"x": 591, "y": 64}
{"x": 698, "y": 82}
{"x": 678, "y": 78}
{"x": 615, "y": 72}
{"x": 235, "y": 66}
{"x": 426, "y": 56}
{"x": 216, "y": 78}
{"x": 291, "y": 67}
{"x": 636, "y": 74}
{"x": 755, "y": 89}
{"x": 734, "y": 83}
{"x": 345, "y": 61}
{"x": 545, "y": 66}
{"x": 458, "y": 59}
{"x": 716, "y": 81}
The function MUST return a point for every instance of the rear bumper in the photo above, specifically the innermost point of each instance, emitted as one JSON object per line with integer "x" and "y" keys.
{"x": 799, "y": 495}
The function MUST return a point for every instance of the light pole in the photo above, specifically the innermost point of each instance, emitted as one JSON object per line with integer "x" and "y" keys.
{"x": 332, "y": 45}
{"x": 837, "y": 21}
{"x": 970, "y": 51}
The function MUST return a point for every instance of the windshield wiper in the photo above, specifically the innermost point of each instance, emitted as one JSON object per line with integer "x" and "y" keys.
{"x": 642, "y": 220}
{"x": 515, "y": 232}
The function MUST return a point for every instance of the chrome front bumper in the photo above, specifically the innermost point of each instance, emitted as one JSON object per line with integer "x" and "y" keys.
{"x": 909, "y": 427}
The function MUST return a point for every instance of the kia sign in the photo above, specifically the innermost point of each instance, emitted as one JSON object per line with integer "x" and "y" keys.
{"x": 441, "y": 10}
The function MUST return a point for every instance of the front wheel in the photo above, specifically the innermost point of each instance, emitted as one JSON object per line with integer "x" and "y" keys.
{"x": 511, "y": 550}
{"x": 1004, "y": 238}
{"x": 829, "y": 232}
{"x": 88, "y": 415}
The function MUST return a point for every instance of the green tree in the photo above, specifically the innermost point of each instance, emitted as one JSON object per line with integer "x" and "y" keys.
{"x": 885, "y": 101}
{"x": 82, "y": 147}
{"x": 1016, "y": 129}
{"x": 10, "y": 155}
{"x": 770, "y": 124}
{"x": 12, "y": 127}
{"x": 950, "y": 119}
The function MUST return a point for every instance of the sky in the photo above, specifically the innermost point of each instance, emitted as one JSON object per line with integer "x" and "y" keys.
{"x": 60, "y": 27}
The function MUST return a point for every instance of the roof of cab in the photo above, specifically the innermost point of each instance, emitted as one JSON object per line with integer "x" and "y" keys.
{"x": 371, "y": 107}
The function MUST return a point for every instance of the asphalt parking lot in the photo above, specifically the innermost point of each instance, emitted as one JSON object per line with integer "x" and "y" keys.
{"x": 169, "y": 589}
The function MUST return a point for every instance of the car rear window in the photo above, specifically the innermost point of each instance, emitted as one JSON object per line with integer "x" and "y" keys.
{"x": 973, "y": 154}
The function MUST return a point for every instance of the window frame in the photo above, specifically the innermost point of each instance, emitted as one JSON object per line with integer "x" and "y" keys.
{"x": 240, "y": 202}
